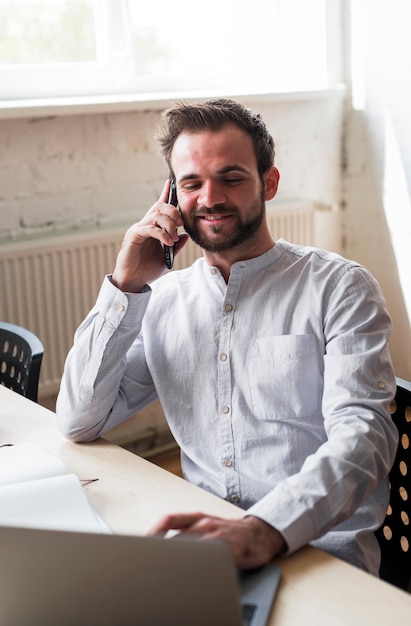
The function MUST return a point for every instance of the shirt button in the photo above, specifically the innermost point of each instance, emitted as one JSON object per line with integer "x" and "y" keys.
{"x": 213, "y": 271}
{"x": 381, "y": 384}
{"x": 223, "y": 357}
{"x": 119, "y": 306}
{"x": 228, "y": 462}
{"x": 225, "y": 409}
{"x": 228, "y": 308}
{"x": 234, "y": 498}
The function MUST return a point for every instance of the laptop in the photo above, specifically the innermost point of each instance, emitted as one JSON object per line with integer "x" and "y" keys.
{"x": 59, "y": 578}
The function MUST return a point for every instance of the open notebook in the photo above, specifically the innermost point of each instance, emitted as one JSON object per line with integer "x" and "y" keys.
{"x": 37, "y": 491}
{"x": 50, "y": 578}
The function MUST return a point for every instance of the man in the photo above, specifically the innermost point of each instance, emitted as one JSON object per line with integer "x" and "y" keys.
{"x": 270, "y": 359}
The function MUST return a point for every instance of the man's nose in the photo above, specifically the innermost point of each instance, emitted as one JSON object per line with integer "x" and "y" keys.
{"x": 211, "y": 194}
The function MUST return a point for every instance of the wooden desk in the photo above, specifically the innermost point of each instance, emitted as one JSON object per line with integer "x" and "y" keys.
{"x": 131, "y": 493}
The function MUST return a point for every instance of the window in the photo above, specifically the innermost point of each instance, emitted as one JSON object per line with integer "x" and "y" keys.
{"x": 62, "y": 47}
{"x": 82, "y": 47}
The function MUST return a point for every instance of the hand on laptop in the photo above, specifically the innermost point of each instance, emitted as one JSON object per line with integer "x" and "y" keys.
{"x": 253, "y": 542}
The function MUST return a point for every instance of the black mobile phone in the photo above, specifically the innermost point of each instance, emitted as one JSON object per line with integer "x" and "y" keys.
{"x": 169, "y": 250}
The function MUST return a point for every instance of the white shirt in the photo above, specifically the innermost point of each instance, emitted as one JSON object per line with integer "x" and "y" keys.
{"x": 276, "y": 386}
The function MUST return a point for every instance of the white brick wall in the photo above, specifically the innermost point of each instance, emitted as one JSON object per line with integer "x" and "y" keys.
{"x": 71, "y": 172}
{"x": 68, "y": 172}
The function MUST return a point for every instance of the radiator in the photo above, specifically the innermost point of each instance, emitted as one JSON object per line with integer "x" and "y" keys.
{"x": 49, "y": 285}
{"x": 307, "y": 223}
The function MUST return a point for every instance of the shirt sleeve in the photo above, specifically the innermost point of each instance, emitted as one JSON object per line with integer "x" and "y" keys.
{"x": 359, "y": 384}
{"x": 93, "y": 395}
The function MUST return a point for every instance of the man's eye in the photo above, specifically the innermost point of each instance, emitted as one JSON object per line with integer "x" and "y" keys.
{"x": 233, "y": 181}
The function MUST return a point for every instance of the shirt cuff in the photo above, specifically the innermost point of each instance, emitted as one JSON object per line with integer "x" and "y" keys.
{"x": 118, "y": 307}
{"x": 288, "y": 517}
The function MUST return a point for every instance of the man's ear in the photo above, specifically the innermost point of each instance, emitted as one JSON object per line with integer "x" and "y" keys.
{"x": 271, "y": 180}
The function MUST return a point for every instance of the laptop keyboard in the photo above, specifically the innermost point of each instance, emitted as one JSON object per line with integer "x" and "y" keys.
{"x": 248, "y": 613}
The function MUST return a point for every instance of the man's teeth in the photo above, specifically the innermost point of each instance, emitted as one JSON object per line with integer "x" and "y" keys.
{"x": 213, "y": 217}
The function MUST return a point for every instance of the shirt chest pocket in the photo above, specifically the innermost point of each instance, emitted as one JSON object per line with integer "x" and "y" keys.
{"x": 285, "y": 374}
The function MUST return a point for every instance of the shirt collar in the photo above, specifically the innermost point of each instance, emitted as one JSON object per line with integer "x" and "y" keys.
{"x": 256, "y": 263}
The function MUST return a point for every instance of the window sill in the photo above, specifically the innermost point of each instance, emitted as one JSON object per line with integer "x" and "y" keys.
{"x": 44, "y": 107}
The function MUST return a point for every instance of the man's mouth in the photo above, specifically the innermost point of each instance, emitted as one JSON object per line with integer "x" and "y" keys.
{"x": 212, "y": 218}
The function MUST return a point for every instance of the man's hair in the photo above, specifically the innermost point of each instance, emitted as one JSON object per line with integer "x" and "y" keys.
{"x": 213, "y": 115}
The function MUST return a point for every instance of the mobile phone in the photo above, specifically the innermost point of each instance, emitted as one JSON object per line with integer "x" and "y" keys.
{"x": 169, "y": 250}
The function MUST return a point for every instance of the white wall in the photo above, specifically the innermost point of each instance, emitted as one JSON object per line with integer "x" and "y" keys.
{"x": 65, "y": 173}
{"x": 368, "y": 237}
{"x": 377, "y": 173}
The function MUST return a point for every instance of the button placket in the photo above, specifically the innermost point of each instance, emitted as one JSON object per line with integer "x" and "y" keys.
{"x": 225, "y": 392}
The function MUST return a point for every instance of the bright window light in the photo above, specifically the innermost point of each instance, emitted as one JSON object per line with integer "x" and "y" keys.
{"x": 230, "y": 44}
{"x": 397, "y": 207}
{"x": 41, "y": 33}
{"x": 82, "y": 47}
{"x": 358, "y": 13}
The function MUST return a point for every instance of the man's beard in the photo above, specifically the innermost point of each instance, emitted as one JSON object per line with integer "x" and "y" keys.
{"x": 242, "y": 232}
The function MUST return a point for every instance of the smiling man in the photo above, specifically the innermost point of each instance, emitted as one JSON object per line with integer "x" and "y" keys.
{"x": 222, "y": 192}
{"x": 270, "y": 359}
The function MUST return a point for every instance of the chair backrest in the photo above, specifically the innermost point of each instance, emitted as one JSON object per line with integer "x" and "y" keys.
{"x": 394, "y": 536}
{"x": 21, "y": 353}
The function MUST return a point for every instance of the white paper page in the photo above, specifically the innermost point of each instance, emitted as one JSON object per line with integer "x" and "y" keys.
{"x": 57, "y": 503}
{"x": 28, "y": 461}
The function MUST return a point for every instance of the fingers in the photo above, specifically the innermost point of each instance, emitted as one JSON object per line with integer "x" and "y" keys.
{"x": 183, "y": 521}
{"x": 252, "y": 541}
{"x": 166, "y": 191}
{"x": 141, "y": 257}
{"x": 174, "y": 214}
{"x": 156, "y": 224}
{"x": 160, "y": 222}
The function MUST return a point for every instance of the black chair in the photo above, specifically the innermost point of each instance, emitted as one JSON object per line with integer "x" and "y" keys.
{"x": 21, "y": 353}
{"x": 394, "y": 536}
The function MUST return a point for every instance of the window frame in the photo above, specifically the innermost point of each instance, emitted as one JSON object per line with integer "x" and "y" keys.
{"x": 109, "y": 76}
{"x": 105, "y": 75}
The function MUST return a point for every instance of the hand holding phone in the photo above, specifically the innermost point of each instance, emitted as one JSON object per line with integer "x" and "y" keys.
{"x": 169, "y": 250}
